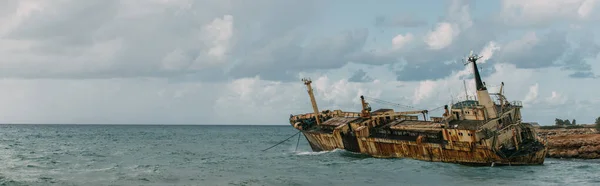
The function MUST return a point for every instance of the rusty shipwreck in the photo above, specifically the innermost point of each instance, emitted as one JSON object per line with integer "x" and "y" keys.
{"x": 482, "y": 131}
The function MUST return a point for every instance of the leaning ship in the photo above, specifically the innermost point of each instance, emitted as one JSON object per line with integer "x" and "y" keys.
{"x": 470, "y": 132}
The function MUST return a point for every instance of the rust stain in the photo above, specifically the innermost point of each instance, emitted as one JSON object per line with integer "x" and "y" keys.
{"x": 386, "y": 148}
{"x": 470, "y": 132}
{"x": 458, "y": 146}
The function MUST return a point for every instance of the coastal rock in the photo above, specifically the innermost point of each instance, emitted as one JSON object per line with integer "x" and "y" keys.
{"x": 582, "y": 143}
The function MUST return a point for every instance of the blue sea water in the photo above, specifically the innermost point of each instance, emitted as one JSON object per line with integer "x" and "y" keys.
{"x": 231, "y": 155}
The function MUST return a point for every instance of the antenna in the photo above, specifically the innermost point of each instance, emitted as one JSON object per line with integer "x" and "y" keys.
{"x": 451, "y": 97}
{"x": 471, "y": 58}
{"x": 466, "y": 94}
{"x": 467, "y": 58}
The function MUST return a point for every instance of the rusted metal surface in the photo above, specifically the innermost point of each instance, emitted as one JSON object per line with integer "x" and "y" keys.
{"x": 457, "y": 135}
{"x": 337, "y": 121}
{"x": 381, "y": 111}
{"x": 466, "y": 124}
{"x": 412, "y": 123}
{"x": 475, "y": 132}
{"x": 456, "y": 146}
{"x": 323, "y": 141}
{"x": 307, "y": 82}
{"x": 457, "y": 152}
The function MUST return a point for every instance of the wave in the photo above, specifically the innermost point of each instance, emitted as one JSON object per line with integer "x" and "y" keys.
{"x": 311, "y": 153}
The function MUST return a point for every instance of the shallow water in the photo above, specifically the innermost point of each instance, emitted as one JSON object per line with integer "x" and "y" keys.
{"x": 231, "y": 155}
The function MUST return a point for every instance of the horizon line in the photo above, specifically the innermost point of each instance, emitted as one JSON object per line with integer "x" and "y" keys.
{"x": 144, "y": 124}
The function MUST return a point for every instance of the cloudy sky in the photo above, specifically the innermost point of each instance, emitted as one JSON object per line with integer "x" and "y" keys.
{"x": 241, "y": 61}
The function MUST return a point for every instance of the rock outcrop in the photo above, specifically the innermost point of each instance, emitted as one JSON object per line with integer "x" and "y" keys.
{"x": 583, "y": 143}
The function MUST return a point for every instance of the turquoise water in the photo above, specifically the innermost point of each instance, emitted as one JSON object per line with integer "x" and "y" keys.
{"x": 231, "y": 155}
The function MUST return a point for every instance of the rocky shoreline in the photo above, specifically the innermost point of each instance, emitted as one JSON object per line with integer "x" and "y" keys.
{"x": 580, "y": 143}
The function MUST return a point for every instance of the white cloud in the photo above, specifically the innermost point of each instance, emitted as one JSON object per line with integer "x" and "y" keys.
{"x": 157, "y": 38}
{"x": 458, "y": 13}
{"x": 424, "y": 91}
{"x": 169, "y": 61}
{"x": 401, "y": 40}
{"x": 256, "y": 101}
{"x": 111, "y": 101}
{"x": 219, "y": 32}
{"x": 586, "y": 8}
{"x": 556, "y": 99}
{"x": 175, "y": 60}
{"x": 488, "y": 51}
{"x": 528, "y": 41}
{"x": 532, "y": 95}
{"x": 541, "y": 99}
{"x": 542, "y": 13}
{"x": 441, "y": 36}
{"x": 458, "y": 19}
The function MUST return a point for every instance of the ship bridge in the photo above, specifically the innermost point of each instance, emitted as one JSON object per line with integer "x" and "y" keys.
{"x": 465, "y": 104}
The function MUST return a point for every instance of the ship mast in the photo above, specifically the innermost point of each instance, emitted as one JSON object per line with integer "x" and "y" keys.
{"x": 307, "y": 82}
{"x": 483, "y": 96}
{"x": 466, "y": 94}
{"x": 501, "y": 92}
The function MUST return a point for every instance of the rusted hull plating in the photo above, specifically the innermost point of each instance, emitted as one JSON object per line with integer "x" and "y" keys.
{"x": 475, "y": 155}
{"x": 322, "y": 141}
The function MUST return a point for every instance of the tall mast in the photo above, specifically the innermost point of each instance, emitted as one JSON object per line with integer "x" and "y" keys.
{"x": 466, "y": 94}
{"x": 483, "y": 97}
{"x": 478, "y": 83}
{"x": 307, "y": 82}
{"x": 501, "y": 97}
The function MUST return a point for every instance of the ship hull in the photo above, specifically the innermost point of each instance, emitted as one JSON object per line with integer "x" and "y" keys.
{"x": 319, "y": 142}
{"x": 327, "y": 141}
{"x": 436, "y": 152}
{"x": 472, "y": 155}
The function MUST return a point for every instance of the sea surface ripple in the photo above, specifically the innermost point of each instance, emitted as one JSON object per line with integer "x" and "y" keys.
{"x": 231, "y": 155}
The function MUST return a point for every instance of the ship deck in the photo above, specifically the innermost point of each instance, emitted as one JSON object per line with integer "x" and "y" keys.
{"x": 432, "y": 126}
{"x": 338, "y": 121}
{"x": 417, "y": 125}
{"x": 466, "y": 124}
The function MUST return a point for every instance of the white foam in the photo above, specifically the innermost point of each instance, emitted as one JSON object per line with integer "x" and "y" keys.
{"x": 316, "y": 153}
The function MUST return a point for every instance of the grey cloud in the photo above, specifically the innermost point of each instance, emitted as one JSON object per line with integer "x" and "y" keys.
{"x": 545, "y": 53}
{"x": 575, "y": 60}
{"x": 550, "y": 50}
{"x": 561, "y": 13}
{"x": 144, "y": 36}
{"x": 429, "y": 71}
{"x": 360, "y": 76}
{"x": 582, "y": 75}
{"x": 553, "y": 50}
{"x": 375, "y": 58}
{"x": 101, "y": 39}
{"x": 214, "y": 74}
{"x": 485, "y": 70}
{"x": 426, "y": 64}
{"x": 8, "y": 7}
{"x": 111, "y": 101}
{"x": 66, "y": 23}
{"x": 423, "y": 63}
{"x": 281, "y": 58}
